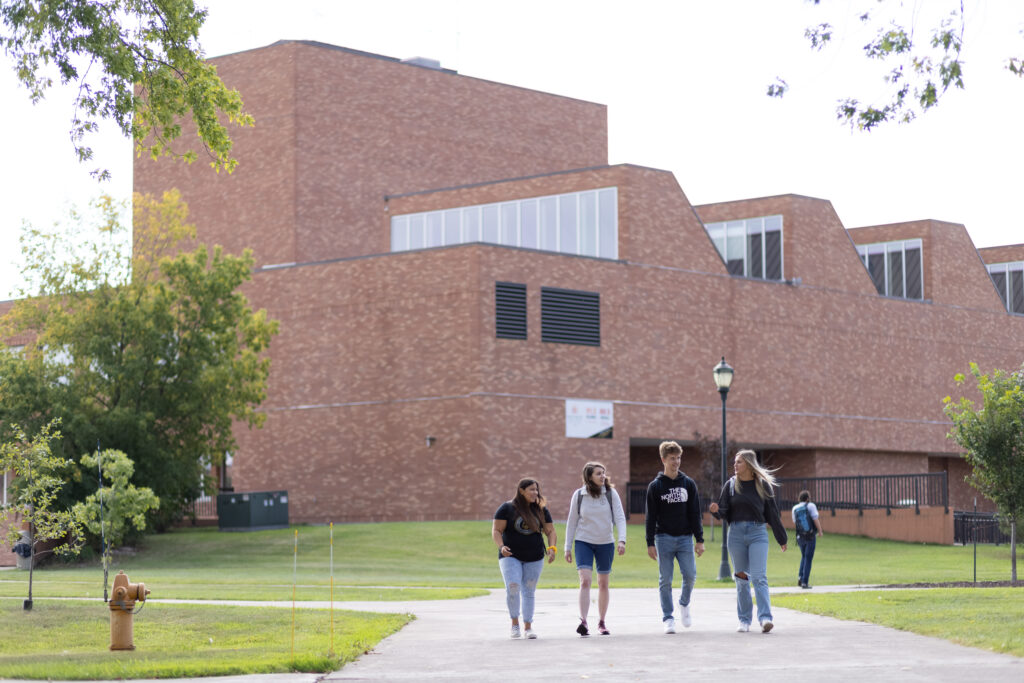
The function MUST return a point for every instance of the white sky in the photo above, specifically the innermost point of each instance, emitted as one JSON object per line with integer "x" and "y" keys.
{"x": 684, "y": 82}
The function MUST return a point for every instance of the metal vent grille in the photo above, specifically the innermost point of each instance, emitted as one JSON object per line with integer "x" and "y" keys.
{"x": 509, "y": 310}
{"x": 568, "y": 316}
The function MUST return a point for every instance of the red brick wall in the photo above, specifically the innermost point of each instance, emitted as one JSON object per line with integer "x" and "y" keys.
{"x": 377, "y": 351}
{"x": 337, "y": 130}
{"x": 1005, "y": 254}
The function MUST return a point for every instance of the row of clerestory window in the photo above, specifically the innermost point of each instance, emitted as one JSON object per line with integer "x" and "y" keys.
{"x": 567, "y": 316}
{"x": 1008, "y": 279}
{"x": 895, "y": 267}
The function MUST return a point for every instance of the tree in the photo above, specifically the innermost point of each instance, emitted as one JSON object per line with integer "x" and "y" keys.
{"x": 109, "y": 511}
{"x": 923, "y": 63}
{"x": 992, "y": 437}
{"x": 156, "y": 354}
{"x": 37, "y": 480}
{"x": 137, "y": 63}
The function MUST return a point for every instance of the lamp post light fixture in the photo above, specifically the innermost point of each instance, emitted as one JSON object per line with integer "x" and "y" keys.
{"x": 723, "y": 380}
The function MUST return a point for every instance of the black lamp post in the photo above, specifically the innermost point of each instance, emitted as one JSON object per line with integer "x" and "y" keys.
{"x": 723, "y": 379}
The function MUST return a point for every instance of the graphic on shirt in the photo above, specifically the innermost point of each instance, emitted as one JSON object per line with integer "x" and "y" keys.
{"x": 520, "y": 526}
{"x": 678, "y": 495}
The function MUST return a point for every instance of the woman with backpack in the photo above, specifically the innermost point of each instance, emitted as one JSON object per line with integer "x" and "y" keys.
{"x": 517, "y": 529}
{"x": 808, "y": 528}
{"x": 593, "y": 510}
{"x": 747, "y": 502}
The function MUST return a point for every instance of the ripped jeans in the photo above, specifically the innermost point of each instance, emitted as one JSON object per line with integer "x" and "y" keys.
{"x": 520, "y": 580}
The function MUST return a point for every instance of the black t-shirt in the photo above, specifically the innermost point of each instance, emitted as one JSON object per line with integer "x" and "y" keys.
{"x": 526, "y": 545}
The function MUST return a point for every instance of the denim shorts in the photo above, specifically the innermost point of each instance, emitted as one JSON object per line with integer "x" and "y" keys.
{"x": 587, "y": 553}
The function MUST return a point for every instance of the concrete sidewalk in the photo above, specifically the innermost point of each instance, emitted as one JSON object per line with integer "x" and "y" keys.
{"x": 468, "y": 640}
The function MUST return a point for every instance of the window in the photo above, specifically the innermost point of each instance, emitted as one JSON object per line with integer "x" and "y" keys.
{"x": 894, "y": 267}
{"x": 509, "y": 310}
{"x": 750, "y": 247}
{"x": 568, "y": 316}
{"x": 581, "y": 223}
{"x": 1009, "y": 281}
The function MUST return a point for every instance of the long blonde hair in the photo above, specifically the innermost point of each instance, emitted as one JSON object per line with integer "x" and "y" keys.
{"x": 764, "y": 478}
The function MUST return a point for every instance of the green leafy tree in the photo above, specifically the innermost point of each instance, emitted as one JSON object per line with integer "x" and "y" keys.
{"x": 923, "y": 62}
{"x": 113, "y": 509}
{"x": 37, "y": 481}
{"x": 153, "y": 352}
{"x": 137, "y": 63}
{"x": 992, "y": 437}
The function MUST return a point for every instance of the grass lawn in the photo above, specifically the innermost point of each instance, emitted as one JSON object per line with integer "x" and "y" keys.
{"x": 988, "y": 618}
{"x": 206, "y": 563}
{"x": 401, "y": 561}
{"x": 70, "y": 640}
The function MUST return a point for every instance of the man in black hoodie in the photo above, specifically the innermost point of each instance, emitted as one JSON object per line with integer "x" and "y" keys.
{"x": 674, "y": 522}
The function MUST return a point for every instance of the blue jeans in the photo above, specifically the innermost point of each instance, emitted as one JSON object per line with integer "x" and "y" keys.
{"x": 806, "y": 556}
{"x": 520, "y": 581}
{"x": 678, "y": 550}
{"x": 748, "y": 546}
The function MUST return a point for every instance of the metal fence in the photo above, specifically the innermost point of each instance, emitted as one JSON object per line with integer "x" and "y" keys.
{"x": 977, "y": 527}
{"x": 885, "y": 491}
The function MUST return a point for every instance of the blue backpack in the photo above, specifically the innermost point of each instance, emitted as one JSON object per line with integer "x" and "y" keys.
{"x": 804, "y": 523}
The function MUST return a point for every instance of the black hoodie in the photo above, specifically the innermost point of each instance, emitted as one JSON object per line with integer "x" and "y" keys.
{"x": 673, "y": 508}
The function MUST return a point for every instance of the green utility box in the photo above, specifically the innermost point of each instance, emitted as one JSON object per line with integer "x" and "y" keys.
{"x": 252, "y": 511}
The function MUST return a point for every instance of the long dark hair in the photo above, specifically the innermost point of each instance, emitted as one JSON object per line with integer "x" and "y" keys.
{"x": 532, "y": 513}
{"x": 592, "y": 488}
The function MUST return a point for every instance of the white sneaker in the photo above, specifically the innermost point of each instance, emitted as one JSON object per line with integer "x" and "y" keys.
{"x": 670, "y": 625}
{"x": 742, "y": 628}
{"x": 515, "y": 631}
{"x": 766, "y": 626}
{"x": 530, "y": 634}
{"x": 686, "y": 616}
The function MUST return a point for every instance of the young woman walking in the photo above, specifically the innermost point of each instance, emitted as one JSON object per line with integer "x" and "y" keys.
{"x": 747, "y": 503}
{"x": 594, "y": 509}
{"x": 518, "y": 525}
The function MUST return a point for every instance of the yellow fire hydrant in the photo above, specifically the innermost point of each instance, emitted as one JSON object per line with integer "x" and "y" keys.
{"x": 122, "y": 602}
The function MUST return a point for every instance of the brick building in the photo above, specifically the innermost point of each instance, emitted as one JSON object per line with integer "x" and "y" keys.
{"x": 456, "y": 268}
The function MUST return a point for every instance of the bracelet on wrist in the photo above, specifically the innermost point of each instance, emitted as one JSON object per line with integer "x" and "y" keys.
{"x": 552, "y": 547}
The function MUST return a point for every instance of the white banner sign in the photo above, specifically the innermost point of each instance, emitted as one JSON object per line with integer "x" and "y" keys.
{"x": 588, "y": 419}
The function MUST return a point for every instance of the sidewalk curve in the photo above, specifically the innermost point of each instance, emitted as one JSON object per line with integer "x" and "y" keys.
{"x": 467, "y": 640}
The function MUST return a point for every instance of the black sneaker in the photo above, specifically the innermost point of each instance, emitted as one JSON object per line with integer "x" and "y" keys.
{"x": 582, "y": 628}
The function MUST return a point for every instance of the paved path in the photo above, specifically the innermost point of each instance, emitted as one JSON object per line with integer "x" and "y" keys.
{"x": 467, "y": 640}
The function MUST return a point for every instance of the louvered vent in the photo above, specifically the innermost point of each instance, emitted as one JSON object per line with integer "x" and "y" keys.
{"x": 570, "y": 317}
{"x": 509, "y": 310}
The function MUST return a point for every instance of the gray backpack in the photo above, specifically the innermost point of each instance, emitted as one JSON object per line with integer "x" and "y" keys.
{"x": 579, "y": 499}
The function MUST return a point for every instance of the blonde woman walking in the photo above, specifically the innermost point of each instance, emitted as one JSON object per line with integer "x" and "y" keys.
{"x": 747, "y": 503}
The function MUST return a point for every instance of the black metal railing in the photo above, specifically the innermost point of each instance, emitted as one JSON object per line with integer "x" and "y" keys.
{"x": 637, "y": 496}
{"x": 977, "y": 527}
{"x": 884, "y": 491}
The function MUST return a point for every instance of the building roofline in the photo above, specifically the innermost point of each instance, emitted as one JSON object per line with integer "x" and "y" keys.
{"x": 791, "y": 195}
{"x": 396, "y": 60}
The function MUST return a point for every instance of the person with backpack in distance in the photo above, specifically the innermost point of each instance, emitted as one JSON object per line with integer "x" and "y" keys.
{"x": 674, "y": 522}
{"x": 517, "y": 528}
{"x": 808, "y": 528}
{"x": 593, "y": 510}
{"x": 747, "y": 502}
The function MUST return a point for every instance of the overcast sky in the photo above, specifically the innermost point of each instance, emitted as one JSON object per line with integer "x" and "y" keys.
{"x": 684, "y": 82}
